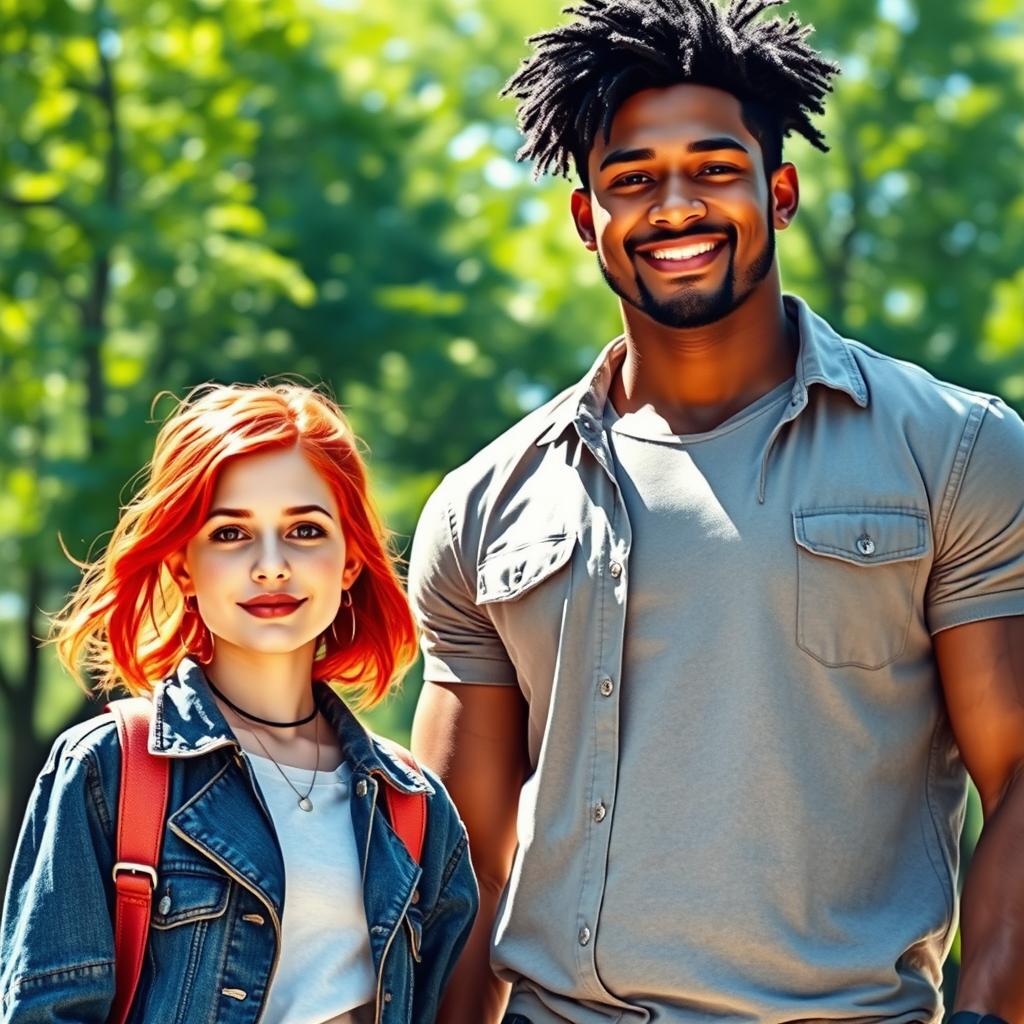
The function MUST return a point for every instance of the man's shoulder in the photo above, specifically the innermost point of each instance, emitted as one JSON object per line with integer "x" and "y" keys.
{"x": 510, "y": 450}
{"x": 909, "y": 390}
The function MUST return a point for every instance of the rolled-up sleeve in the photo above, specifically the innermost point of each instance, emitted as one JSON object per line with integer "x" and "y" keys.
{"x": 459, "y": 641}
{"x": 979, "y": 564}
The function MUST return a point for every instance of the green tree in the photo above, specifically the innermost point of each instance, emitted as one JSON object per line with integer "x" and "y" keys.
{"x": 197, "y": 189}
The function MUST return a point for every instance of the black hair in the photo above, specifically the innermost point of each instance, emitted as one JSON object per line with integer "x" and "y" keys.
{"x": 580, "y": 73}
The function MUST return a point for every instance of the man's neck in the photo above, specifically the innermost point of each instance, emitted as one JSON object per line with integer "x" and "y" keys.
{"x": 697, "y": 378}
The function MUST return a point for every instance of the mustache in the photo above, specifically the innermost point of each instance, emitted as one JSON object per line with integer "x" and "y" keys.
{"x": 668, "y": 237}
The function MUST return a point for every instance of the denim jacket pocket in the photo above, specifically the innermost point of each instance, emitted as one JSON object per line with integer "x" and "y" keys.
{"x": 508, "y": 571}
{"x": 857, "y": 571}
{"x": 182, "y": 897}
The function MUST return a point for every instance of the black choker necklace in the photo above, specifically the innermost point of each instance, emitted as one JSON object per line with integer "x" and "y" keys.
{"x": 262, "y": 721}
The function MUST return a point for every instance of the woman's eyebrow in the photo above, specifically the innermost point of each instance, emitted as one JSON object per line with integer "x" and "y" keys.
{"x": 244, "y": 513}
{"x": 301, "y": 510}
{"x": 230, "y": 513}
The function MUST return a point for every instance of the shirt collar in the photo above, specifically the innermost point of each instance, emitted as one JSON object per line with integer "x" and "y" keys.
{"x": 187, "y": 723}
{"x": 824, "y": 358}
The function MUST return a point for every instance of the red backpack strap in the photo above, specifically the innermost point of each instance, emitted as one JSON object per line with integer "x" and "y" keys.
{"x": 407, "y": 811}
{"x": 142, "y": 810}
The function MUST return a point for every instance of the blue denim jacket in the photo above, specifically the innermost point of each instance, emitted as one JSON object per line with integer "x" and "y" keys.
{"x": 214, "y": 941}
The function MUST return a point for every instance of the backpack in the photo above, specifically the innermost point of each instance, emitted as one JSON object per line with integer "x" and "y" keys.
{"x": 141, "y": 815}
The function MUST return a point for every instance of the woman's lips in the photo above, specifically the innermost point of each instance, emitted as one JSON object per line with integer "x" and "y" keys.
{"x": 272, "y": 609}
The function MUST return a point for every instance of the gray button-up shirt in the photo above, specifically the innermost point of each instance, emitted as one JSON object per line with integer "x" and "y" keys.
{"x": 814, "y": 797}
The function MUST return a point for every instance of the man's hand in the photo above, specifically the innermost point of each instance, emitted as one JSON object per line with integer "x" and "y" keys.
{"x": 474, "y": 737}
{"x": 982, "y": 669}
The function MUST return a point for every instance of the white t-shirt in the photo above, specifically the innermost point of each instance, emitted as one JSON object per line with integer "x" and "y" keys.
{"x": 325, "y": 972}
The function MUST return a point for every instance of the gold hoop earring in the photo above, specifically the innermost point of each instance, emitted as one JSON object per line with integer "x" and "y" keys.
{"x": 204, "y": 656}
{"x": 349, "y": 604}
{"x": 207, "y": 641}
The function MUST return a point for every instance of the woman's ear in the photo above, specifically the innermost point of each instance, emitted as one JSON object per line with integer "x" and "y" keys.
{"x": 178, "y": 568}
{"x": 353, "y": 567}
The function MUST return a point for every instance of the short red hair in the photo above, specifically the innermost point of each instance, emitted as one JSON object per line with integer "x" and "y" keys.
{"x": 127, "y": 622}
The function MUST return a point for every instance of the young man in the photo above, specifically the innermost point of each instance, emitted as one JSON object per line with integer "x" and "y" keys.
{"x": 712, "y": 636}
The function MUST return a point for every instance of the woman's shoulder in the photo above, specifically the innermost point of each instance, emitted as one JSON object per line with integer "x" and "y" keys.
{"x": 93, "y": 741}
{"x": 419, "y": 778}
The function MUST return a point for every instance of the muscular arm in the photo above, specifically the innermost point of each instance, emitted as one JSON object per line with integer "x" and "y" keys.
{"x": 474, "y": 737}
{"x": 982, "y": 669}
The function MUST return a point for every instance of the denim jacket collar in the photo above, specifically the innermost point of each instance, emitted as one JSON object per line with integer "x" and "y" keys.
{"x": 824, "y": 358}
{"x": 188, "y": 723}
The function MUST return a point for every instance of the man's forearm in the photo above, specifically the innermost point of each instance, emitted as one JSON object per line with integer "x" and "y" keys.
{"x": 474, "y": 995}
{"x": 992, "y": 919}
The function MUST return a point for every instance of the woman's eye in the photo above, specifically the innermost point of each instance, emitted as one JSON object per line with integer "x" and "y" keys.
{"x": 227, "y": 534}
{"x": 308, "y": 531}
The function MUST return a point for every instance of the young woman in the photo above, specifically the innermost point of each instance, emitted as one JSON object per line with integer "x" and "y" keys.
{"x": 247, "y": 581}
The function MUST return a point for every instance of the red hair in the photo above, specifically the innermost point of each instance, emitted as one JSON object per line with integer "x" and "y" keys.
{"x": 127, "y": 622}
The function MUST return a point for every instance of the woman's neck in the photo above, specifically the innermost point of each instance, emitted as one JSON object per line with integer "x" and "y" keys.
{"x": 276, "y": 687}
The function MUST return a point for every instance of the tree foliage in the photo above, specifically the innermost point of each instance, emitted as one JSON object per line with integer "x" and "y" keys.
{"x": 197, "y": 189}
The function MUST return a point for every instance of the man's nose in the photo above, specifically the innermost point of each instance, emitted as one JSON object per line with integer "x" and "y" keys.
{"x": 676, "y": 208}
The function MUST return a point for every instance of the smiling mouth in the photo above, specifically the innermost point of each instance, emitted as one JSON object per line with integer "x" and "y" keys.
{"x": 676, "y": 258}
{"x": 272, "y": 608}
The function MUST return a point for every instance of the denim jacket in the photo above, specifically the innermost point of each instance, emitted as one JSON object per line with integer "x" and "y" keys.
{"x": 215, "y": 933}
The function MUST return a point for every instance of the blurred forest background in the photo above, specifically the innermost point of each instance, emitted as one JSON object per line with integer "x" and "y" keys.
{"x": 197, "y": 189}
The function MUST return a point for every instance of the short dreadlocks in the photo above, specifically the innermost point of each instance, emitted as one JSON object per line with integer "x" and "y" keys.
{"x": 581, "y": 73}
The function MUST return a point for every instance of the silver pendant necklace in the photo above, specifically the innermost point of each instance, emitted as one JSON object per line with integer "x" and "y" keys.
{"x": 305, "y": 804}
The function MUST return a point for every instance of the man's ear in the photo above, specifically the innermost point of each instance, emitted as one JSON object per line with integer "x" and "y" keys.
{"x": 785, "y": 190}
{"x": 178, "y": 569}
{"x": 583, "y": 217}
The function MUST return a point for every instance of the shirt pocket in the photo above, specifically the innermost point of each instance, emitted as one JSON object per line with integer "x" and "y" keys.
{"x": 857, "y": 571}
{"x": 510, "y": 570}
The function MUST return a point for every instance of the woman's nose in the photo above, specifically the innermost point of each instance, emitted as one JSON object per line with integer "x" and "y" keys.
{"x": 270, "y": 564}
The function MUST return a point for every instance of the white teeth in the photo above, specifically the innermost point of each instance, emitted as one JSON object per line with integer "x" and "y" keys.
{"x": 686, "y": 252}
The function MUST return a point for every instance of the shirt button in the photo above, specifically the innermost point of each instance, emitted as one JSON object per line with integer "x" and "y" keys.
{"x": 599, "y": 812}
{"x": 865, "y": 545}
{"x": 164, "y": 905}
{"x": 584, "y": 935}
{"x": 415, "y": 896}
{"x": 361, "y": 787}
{"x": 387, "y": 997}
{"x": 615, "y": 569}
{"x": 607, "y": 686}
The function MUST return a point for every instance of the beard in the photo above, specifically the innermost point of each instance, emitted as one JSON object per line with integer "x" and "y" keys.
{"x": 691, "y": 307}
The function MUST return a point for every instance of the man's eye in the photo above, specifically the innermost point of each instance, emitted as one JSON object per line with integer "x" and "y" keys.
{"x": 308, "y": 531}
{"x": 227, "y": 534}
{"x": 716, "y": 169}
{"x": 633, "y": 179}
